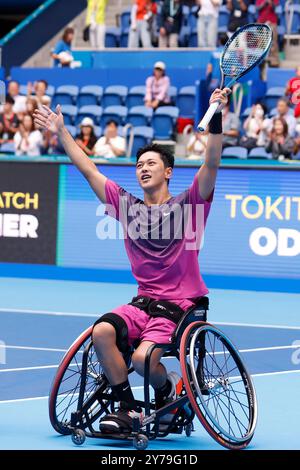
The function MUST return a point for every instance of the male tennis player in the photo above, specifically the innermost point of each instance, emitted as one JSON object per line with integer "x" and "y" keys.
{"x": 164, "y": 262}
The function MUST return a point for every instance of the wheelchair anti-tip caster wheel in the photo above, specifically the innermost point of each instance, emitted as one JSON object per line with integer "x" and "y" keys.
{"x": 78, "y": 437}
{"x": 140, "y": 442}
{"x": 189, "y": 428}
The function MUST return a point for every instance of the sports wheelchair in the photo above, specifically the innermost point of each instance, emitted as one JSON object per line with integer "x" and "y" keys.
{"x": 216, "y": 388}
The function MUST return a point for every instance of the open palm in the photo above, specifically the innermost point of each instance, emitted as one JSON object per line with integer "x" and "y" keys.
{"x": 44, "y": 118}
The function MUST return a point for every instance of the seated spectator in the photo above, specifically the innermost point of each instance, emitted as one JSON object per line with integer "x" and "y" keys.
{"x": 207, "y": 24}
{"x": 38, "y": 90}
{"x": 196, "y": 146}
{"x": 62, "y": 53}
{"x": 51, "y": 144}
{"x": 87, "y": 139}
{"x": 267, "y": 15}
{"x": 141, "y": 16}
{"x": 280, "y": 144}
{"x": 284, "y": 112}
{"x": 231, "y": 127}
{"x": 293, "y": 91}
{"x": 95, "y": 20}
{"x": 255, "y": 128}
{"x": 171, "y": 21}
{"x": 111, "y": 144}
{"x": 27, "y": 140}
{"x": 20, "y": 101}
{"x": 9, "y": 121}
{"x": 238, "y": 14}
{"x": 31, "y": 105}
{"x": 157, "y": 87}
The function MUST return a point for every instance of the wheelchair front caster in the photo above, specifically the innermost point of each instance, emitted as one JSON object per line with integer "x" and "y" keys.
{"x": 78, "y": 437}
{"x": 140, "y": 442}
{"x": 189, "y": 428}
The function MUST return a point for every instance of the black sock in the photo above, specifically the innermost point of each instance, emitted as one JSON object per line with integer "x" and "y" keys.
{"x": 162, "y": 393}
{"x": 124, "y": 394}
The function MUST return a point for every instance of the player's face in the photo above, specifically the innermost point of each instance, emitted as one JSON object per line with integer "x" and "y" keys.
{"x": 151, "y": 172}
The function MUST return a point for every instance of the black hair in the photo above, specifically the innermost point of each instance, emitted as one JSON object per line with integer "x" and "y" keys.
{"x": 9, "y": 99}
{"x": 44, "y": 82}
{"x": 112, "y": 121}
{"x": 165, "y": 154}
{"x": 264, "y": 107}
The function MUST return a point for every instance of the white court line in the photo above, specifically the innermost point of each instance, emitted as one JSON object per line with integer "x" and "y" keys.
{"x": 31, "y": 348}
{"x": 96, "y": 315}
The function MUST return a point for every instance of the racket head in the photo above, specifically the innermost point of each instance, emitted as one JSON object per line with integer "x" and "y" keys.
{"x": 245, "y": 49}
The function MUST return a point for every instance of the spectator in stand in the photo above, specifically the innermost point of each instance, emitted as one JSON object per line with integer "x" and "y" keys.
{"x": 87, "y": 138}
{"x": 38, "y": 91}
{"x": 9, "y": 121}
{"x": 171, "y": 21}
{"x": 267, "y": 14}
{"x": 255, "y": 128}
{"x": 231, "y": 127}
{"x": 31, "y": 105}
{"x": 20, "y": 101}
{"x": 27, "y": 140}
{"x": 95, "y": 19}
{"x": 62, "y": 53}
{"x": 238, "y": 14}
{"x": 293, "y": 92}
{"x": 111, "y": 145}
{"x": 280, "y": 144}
{"x": 51, "y": 144}
{"x": 207, "y": 24}
{"x": 196, "y": 146}
{"x": 140, "y": 28}
{"x": 283, "y": 111}
{"x": 157, "y": 87}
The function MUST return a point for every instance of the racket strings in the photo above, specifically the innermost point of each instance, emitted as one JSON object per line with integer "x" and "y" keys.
{"x": 245, "y": 50}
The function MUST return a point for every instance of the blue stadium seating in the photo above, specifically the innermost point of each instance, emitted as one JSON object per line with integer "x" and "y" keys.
{"x": 192, "y": 18}
{"x": 114, "y": 95}
{"x": 125, "y": 19}
{"x": 124, "y": 38}
{"x": 223, "y": 17}
{"x": 252, "y": 13}
{"x": 65, "y": 94}
{"x": 163, "y": 122}
{"x": 142, "y": 136}
{"x": 73, "y": 130}
{"x": 91, "y": 111}
{"x": 260, "y": 152}
{"x": 112, "y": 36}
{"x": 136, "y": 96}
{"x": 186, "y": 101}
{"x": 193, "y": 38}
{"x": 140, "y": 116}
{"x": 90, "y": 95}
{"x": 235, "y": 152}
{"x": 70, "y": 112}
{"x": 7, "y": 147}
{"x": 173, "y": 93}
{"x": 272, "y": 96}
{"x": 117, "y": 113}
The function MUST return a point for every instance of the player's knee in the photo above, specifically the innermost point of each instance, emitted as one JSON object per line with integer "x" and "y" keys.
{"x": 138, "y": 362}
{"x": 104, "y": 334}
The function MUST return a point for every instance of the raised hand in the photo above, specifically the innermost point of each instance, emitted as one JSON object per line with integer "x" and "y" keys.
{"x": 44, "y": 118}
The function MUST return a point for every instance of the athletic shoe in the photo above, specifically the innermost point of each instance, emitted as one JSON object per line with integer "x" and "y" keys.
{"x": 177, "y": 386}
{"x": 119, "y": 422}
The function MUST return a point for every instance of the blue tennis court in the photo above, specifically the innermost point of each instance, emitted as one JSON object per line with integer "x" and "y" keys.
{"x": 41, "y": 318}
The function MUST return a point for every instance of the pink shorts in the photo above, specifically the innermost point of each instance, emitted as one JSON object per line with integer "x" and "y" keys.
{"x": 145, "y": 328}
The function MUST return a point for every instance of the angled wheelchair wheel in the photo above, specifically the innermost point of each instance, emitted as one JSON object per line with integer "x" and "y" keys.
{"x": 218, "y": 385}
{"x": 69, "y": 385}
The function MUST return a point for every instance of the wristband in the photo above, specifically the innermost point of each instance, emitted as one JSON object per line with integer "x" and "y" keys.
{"x": 215, "y": 125}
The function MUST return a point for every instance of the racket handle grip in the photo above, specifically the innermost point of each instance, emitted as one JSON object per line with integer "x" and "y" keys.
{"x": 207, "y": 117}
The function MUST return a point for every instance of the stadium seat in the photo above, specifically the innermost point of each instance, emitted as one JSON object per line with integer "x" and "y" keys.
{"x": 136, "y": 96}
{"x": 112, "y": 36}
{"x": 272, "y": 96}
{"x": 90, "y": 95}
{"x": 193, "y": 38}
{"x": 73, "y": 130}
{"x": 163, "y": 122}
{"x": 125, "y": 19}
{"x": 70, "y": 112}
{"x": 98, "y": 131}
{"x": 116, "y": 113}
{"x": 7, "y": 147}
{"x": 252, "y": 13}
{"x": 235, "y": 152}
{"x": 260, "y": 152}
{"x": 292, "y": 23}
{"x": 142, "y": 136}
{"x": 185, "y": 14}
{"x": 124, "y": 38}
{"x": 140, "y": 116}
{"x": 173, "y": 93}
{"x": 193, "y": 18}
{"x": 186, "y": 101}
{"x": 114, "y": 95}
{"x": 184, "y": 34}
{"x": 91, "y": 111}
{"x": 65, "y": 94}
{"x": 223, "y": 17}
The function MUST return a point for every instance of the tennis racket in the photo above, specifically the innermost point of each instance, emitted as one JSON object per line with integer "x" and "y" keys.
{"x": 246, "y": 49}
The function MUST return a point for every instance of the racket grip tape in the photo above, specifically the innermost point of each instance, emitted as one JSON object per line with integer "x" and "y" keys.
{"x": 207, "y": 117}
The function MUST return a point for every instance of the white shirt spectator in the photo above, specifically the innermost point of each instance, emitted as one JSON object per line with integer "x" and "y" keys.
{"x": 104, "y": 149}
{"x": 30, "y": 146}
{"x": 290, "y": 120}
{"x": 20, "y": 104}
{"x": 210, "y": 8}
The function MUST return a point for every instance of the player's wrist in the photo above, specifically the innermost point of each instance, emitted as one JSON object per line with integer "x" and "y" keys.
{"x": 215, "y": 125}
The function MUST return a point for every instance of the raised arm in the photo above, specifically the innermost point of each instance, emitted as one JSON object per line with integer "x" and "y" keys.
{"x": 207, "y": 174}
{"x": 46, "y": 119}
